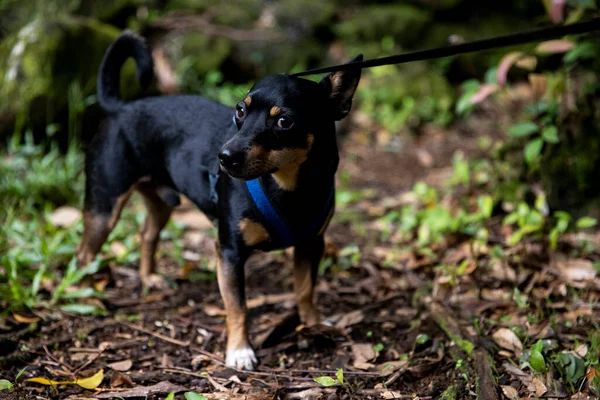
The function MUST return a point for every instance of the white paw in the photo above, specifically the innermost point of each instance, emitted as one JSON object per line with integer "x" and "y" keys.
{"x": 243, "y": 358}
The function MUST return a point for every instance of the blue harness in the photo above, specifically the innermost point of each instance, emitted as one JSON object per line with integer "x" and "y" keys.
{"x": 285, "y": 237}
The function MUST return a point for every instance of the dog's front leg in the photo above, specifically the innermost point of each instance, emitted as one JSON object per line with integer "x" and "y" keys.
{"x": 230, "y": 275}
{"x": 307, "y": 257}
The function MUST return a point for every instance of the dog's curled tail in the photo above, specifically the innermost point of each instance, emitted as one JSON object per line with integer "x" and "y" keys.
{"x": 126, "y": 45}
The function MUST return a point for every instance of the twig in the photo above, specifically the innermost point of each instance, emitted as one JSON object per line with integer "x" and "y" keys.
{"x": 328, "y": 371}
{"x": 378, "y": 392}
{"x": 258, "y": 373}
{"x": 486, "y": 388}
{"x": 64, "y": 364}
{"x": 156, "y": 335}
{"x": 91, "y": 360}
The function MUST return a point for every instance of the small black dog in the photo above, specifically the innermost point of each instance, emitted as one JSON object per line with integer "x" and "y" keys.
{"x": 265, "y": 179}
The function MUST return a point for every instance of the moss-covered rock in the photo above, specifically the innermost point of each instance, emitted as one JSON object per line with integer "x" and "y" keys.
{"x": 48, "y": 59}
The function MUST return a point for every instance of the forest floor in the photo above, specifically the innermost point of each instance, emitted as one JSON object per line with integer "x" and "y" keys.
{"x": 402, "y": 326}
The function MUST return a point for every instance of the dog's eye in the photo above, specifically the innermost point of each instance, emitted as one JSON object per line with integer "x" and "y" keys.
{"x": 239, "y": 112}
{"x": 285, "y": 122}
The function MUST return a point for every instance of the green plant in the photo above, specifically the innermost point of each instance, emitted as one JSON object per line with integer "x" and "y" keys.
{"x": 329, "y": 381}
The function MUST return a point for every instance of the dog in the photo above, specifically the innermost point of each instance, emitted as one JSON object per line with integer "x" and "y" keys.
{"x": 262, "y": 172}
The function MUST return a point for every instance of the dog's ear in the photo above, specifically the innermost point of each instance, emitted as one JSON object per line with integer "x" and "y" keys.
{"x": 341, "y": 86}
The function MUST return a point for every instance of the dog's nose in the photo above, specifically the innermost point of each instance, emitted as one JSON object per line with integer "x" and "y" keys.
{"x": 230, "y": 159}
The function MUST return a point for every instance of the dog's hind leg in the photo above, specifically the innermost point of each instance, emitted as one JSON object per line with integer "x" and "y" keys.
{"x": 110, "y": 180}
{"x": 156, "y": 219}
{"x": 98, "y": 222}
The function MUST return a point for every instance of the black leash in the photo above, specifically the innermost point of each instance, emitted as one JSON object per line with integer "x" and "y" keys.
{"x": 537, "y": 35}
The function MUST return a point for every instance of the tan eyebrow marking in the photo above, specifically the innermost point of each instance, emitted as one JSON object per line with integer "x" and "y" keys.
{"x": 275, "y": 111}
{"x": 248, "y": 100}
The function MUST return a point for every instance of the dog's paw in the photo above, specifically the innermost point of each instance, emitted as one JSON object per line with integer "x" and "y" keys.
{"x": 243, "y": 358}
{"x": 154, "y": 282}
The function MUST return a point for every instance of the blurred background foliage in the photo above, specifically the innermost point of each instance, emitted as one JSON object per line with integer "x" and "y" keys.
{"x": 50, "y": 48}
{"x": 50, "y": 51}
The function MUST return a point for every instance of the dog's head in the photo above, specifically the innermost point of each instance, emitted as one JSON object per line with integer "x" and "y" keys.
{"x": 281, "y": 119}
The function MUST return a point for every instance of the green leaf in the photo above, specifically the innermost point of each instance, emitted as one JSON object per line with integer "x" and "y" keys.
{"x": 422, "y": 338}
{"x": 340, "y": 375}
{"x": 536, "y": 358}
{"x": 378, "y": 347}
{"x": 573, "y": 366}
{"x": 86, "y": 309}
{"x": 171, "y": 396}
{"x": 523, "y": 129}
{"x": 20, "y": 373}
{"x": 586, "y": 222}
{"x": 194, "y": 396}
{"x": 533, "y": 150}
{"x": 5, "y": 385}
{"x": 550, "y": 134}
{"x": 486, "y": 205}
{"x": 85, "y": 292}
{"x": 326, "y": 381}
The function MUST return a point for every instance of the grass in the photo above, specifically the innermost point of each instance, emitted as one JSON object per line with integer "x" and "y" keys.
{"x": 37, "y": 265}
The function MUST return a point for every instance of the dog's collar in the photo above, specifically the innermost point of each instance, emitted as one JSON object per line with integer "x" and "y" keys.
{"x": 284, "y": 236}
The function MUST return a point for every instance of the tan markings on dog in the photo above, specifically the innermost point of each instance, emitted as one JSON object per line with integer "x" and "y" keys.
{"x": 275, "y": 111}
{"x": 248, "y": 100}
{"x": 235, "y": 307}
{"x": 95, "y": 233}
{"x": 288, "y": 162}
{"x": 253, "y": 233}
{"x": 336, "y": 83}
{"x": 97, "y": 227}
{"x": 304, "y": 289}
{"x": 156, "y": 218}
{"x": 257, "y": 152}
{"x": 118, "y": 207}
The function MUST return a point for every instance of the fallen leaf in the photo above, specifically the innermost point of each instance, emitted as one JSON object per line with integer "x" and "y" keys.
{"x": 118, "y": 248}
{"x": 391, "y": 395}
{"x": 25, "y": 320}
{"x": 144, "y": 391}
{"x": 92, "y": 382}
{"x": 122, "y": 366}
{"x": 87, "y": 383}
{"x": 363, "y": 352}
{"x": 576, "y": 272}
{"x": 537, "y": 387}
{"x": 508, "y": 340}
{"x": 510, "y": 392}
{"x": 118, "y": 379}
{"x": 581, "y": 350}
{"x": 192, "y": 219}
{"x": 349, "y": 319}
{"x": 212, "y": 310}
{"x": 65, "y": 216}
{"x": 388, "y": 368}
